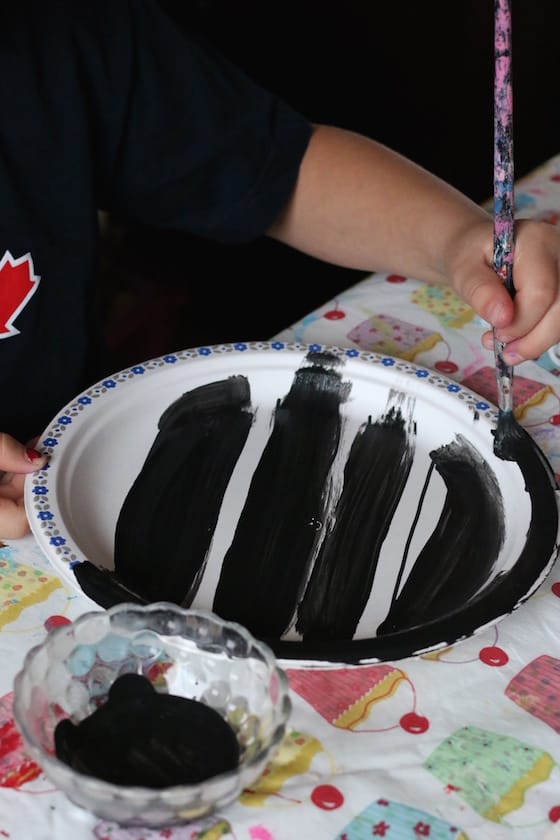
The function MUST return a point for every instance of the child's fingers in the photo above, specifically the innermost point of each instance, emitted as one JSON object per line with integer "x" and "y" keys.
{"x": 16, "y": 461}
{"x": 13, "y": 519}
{"x": 12, "y": 486}
{"x": 16, "y": 457}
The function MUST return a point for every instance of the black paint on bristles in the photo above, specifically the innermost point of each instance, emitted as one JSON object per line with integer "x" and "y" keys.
{"x": 507, "y": 436}
{"x": 512, "y": 442}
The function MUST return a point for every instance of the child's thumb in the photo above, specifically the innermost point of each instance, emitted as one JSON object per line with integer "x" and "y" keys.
{"x": 486, "y": 293}
{"x": 16, "y": 457}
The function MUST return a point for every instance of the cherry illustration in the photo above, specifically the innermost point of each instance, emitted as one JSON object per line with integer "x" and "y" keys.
{"x": 334, "y": 315}
{"x": 446, "y": 366}
{"x": 414, "y": 723}
{"x": 493, "y": 656}
{"x": 56, "y": 621}
{"x": 554, "y": 814}
{"x": 327, "y": 797}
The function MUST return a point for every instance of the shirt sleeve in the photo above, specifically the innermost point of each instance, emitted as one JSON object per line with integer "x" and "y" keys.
{"x": 202, "y": 147}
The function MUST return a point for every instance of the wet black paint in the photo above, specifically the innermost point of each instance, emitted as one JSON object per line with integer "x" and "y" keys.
{"x": 167, "y": 521}
{"x": 267, "y": 564}
{"x": 142, "y": 737}
{"x": 505, "y": 436}
{"x": 541, "y": 538}
{"x": 305, "y": 557}
{"x": 103, "y": 586}
{"x": 375, "y": 476}
{"x": 458, "y": 558}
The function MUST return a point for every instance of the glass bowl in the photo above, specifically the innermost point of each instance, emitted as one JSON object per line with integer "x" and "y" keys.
{"x": 188, "y": 653}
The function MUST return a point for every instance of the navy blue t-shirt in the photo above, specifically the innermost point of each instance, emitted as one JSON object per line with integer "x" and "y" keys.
{"x": 107, "y": 105}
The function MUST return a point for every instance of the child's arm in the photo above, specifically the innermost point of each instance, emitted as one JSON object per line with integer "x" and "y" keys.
{"x": 360, "y": 205}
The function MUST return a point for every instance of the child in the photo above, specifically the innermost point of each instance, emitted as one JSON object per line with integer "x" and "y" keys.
{"x": 107, "y": 105}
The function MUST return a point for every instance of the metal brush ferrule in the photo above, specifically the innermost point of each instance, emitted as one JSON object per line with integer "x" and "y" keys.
{"x": 504, "y": 377}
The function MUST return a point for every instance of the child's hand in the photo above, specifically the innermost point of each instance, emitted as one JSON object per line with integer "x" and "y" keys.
{"x": 16, "y": 460}
{"x": 535, "y": 325}
{"x": 530, "y": 324}
{"x": 358, "y": 204}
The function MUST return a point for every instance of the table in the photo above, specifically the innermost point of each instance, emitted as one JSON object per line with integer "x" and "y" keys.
{"x": 462, "y": 743}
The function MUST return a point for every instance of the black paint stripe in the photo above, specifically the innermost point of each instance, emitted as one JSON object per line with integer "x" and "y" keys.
{"x": 267, "y": 563}
{"x": 167, "y": 521}
{"x": 409, "y": 539}
{"x": 459, "y": 556}
{"x": 375, "y": 476}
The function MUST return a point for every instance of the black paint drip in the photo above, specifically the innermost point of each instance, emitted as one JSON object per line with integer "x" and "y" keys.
{"x": 140, "y": 737}
{"x": 167, "y": 521}
{"x": 458, "y": 558}
{"x": 267, "y": 563}
{"x": 375, "y": 476}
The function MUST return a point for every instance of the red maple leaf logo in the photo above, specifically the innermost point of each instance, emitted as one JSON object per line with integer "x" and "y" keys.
{"x": 18, "y": 282}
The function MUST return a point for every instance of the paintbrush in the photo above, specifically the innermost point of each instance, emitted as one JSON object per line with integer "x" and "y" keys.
{"x": 504, "y": 208}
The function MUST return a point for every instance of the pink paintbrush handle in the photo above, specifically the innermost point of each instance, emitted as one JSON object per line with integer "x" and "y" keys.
{"x": 504, "y": 203}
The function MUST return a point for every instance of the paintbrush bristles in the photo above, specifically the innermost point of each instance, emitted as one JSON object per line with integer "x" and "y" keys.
{"x": 510, "y": 437}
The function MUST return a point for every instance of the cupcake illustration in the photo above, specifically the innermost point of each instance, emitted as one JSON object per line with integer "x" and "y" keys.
{"x": 491, "y": 772}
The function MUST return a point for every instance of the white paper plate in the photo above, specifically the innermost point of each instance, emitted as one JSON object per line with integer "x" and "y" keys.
{"x": 352, "y": 509}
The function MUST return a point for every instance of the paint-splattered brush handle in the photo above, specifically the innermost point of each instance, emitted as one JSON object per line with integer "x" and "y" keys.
{"x": 504, "y": 201}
